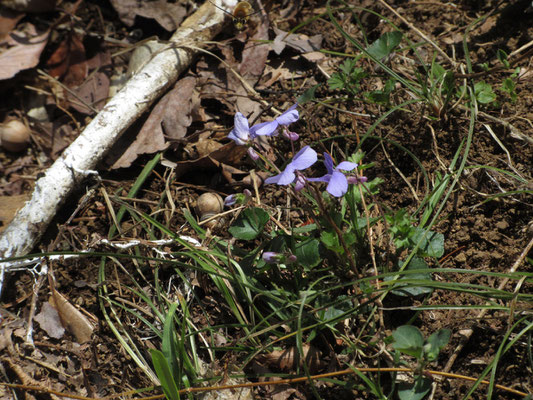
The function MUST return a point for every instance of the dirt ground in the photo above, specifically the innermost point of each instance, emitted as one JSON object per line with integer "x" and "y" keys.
{"x": 482, "y": 232}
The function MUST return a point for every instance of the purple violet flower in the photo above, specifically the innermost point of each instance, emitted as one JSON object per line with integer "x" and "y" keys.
{"x": 337, "y": 182}
{"x": 292, "y": 136}
{"x": 237, "y": 198}
{"x": 230, "y": 200}
{"x": 302, "y": 160}
{"x": 240, "y": 133}
{"x": 270, "y": 128}
{"x": 271, "y": 257}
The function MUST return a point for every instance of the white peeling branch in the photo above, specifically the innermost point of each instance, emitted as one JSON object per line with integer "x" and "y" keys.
{"x": 23, "y": 233}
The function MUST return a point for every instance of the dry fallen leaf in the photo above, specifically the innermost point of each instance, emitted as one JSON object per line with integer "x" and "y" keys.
{"x": 50, "y": 322}
{"x": 87, "y": 95}
{"x": 68, "y": 61}
{"x": 222, "y": 158}
{"x": 71, "y": 318}
{"x": 288, "y": 360}
{"x": 24, "y": 53}
{"x": 168, "y": 14}
{"x": 32, "y": 6}
{"x": 8, "y": 21}
{"x": 173, "y": 111}
{"x": 299, "y": 42}
{"x": 9, "y": 205}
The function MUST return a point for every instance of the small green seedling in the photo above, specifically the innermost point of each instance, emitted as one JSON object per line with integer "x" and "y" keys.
{"x": 348, "y": 78}
{"x": 408, "y": 340}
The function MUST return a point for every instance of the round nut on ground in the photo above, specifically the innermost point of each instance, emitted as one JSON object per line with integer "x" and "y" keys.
{"x": 14, "y": 136}
{"x": 208, "y": 205}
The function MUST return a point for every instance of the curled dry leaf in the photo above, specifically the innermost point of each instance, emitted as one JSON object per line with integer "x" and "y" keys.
{"x": 301, "y": 43}
{"x": 24, "y": 53}
{"x": 222, "y": 158}
{"x": 288, "y": 360}
{"x": 8, "y": 21}
{"x": 71, "y": 318}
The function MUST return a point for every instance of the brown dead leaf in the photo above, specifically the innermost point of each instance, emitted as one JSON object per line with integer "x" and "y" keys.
{"x": 223, "y": 158}
{"x": 168, "y": 14}
{"x": 173, "y": 112}
{"x": 68, "y": 61}
{"x": 250, "y": 69}
{"x": 8, "y": 21}
{"x": 314, "y": 56}
{"x": 71, "y": 318}
{"x": 24, "y": 53}
{"x": 9, "y": 205}
{"x": 92, "y": 94}
{"x": 31, "y": 6}
{"x": 255, "y": 54}
{"x": 288, "y": 360}
{"x": 50, "y": 322}
{"x": 299, "y": 42}
{"x": 203, "y": 147}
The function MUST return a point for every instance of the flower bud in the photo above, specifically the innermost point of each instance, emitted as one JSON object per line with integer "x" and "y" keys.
{"x": 291, "y": 259}
{"x": 292, "y": 136}
{"x": 299, "y": 183}
{"x": 271, "y": 257}
{"x": 252, "y": 153}
{"x": 230, "y": 200}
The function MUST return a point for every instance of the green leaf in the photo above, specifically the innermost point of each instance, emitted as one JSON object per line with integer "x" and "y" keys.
{"x": 336, "y": 81}
{"x": 437, "y": 71}
{"x": 164, "y": 374}
{"x": 436, "y": 343}
{"x": 308, "y": 95}
{"x": 509, "y": 86}
{"x": 408, "y": 340}
{"x": 382, "y": 47}
{"x": 338, "y": 309}
{"x": 382, "y": 96}
{"x": 249, "y": 224}
{"x": 432, "y": 244}
{"x": 503, "y": 57}
{"x": 406, "y": 290}
{"x": 331, "y": 241}
{"x": 169, "y": 345}
{"x": 308, "y": 253}
{"x": 484, "y": 92}
{"x": 416, "y": 390}
{"x": 347, "y": 66}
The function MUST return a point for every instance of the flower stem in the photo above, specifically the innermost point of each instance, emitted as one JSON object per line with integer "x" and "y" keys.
{"x": 348, "y": 253}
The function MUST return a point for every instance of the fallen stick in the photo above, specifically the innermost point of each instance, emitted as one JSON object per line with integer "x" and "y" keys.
{"x": 69, "y": 170}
